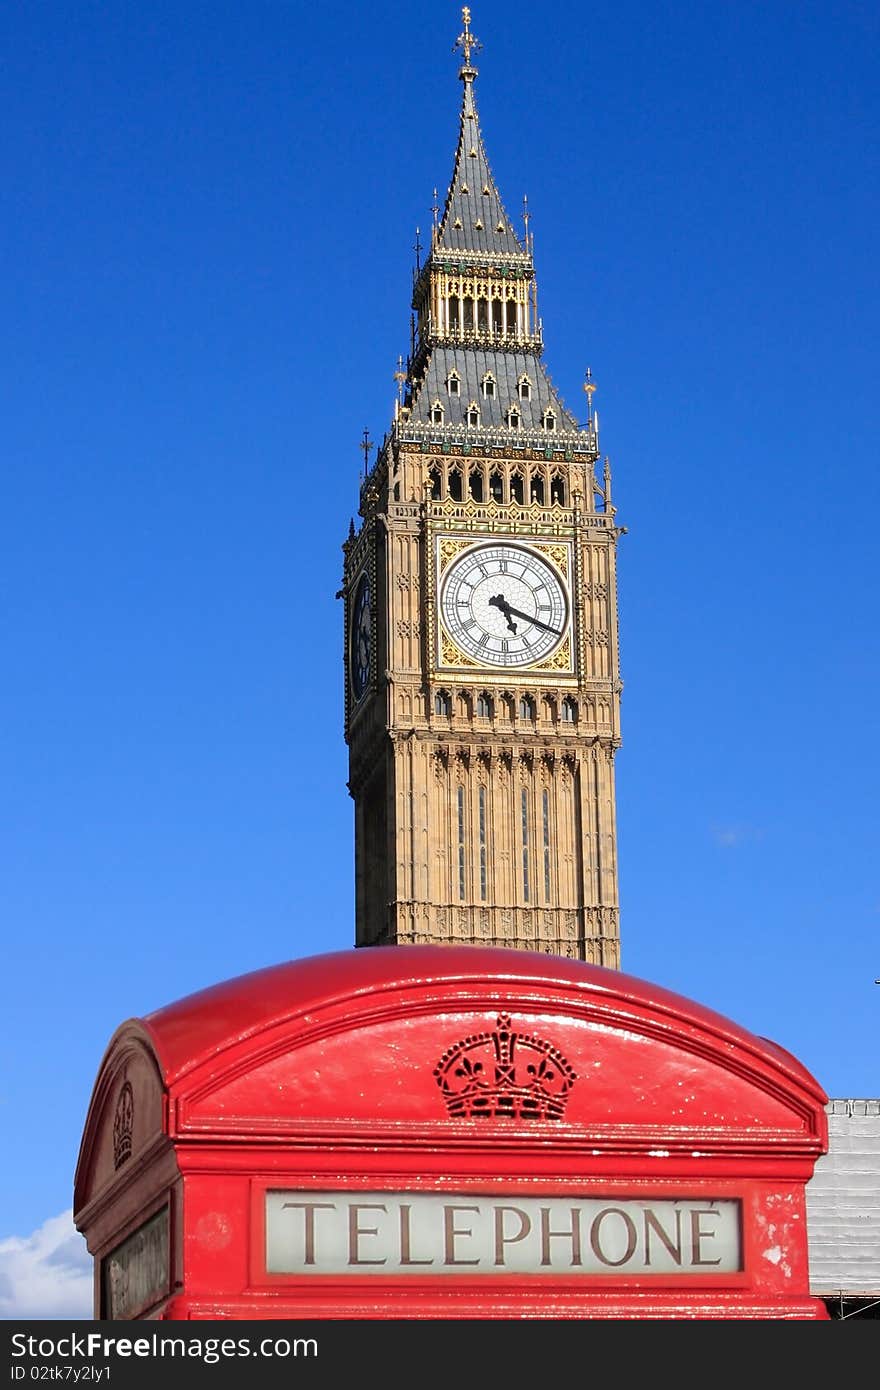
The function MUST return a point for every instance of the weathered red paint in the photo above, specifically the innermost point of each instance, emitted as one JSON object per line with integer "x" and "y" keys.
{"x": 320, "y": 1074}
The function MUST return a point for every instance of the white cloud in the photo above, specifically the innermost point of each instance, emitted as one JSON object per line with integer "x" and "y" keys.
{"x": 47, "y": 1274}
{"x": 730, "y": 836}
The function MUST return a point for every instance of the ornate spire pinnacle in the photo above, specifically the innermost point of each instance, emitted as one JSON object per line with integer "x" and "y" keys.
{"x": 589, "y": 388}
{"x": 473, "y": 218}
{"x": 467, "y": 42}
{"x": 365, "y": 446}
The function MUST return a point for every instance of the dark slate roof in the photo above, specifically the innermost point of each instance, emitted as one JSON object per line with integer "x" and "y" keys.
{"x": 472, "y": 363}
{"x": 474, "y": 211}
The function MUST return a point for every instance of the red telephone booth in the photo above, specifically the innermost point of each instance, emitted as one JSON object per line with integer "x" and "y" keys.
{"x": 445, "y": 1132}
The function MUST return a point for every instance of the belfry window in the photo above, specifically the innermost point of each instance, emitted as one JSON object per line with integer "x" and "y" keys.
{"x": 545, "y": 827}
{"x": 524, "y": 816}
{"x": 496, "y": 487}
{"x": 557, "y": 489}
{"x": 460, "y": 817}
{"x": 483, "y": 843}
{"x": 455, "y": 486}
{"x": 516, "y": 488}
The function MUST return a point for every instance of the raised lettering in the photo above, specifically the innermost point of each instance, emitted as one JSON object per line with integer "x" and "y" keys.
{"x": 574, "y": 1235}
{"x": 652, "y": 1223}
{"x": 596, "y": 1230}
{"x": 310, "y": 1208}
{"x": 355, "y": 1231}
{"x": 451, "y": 1232}
{"x": 405, "y": 1238}
{"x": 698, "y": 1235}
{"x": 501, "y": 1239}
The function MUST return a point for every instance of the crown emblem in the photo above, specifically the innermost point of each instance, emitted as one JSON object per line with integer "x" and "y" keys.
{"x": 123, "y": 1125}
{"x": 504, "y": 1073}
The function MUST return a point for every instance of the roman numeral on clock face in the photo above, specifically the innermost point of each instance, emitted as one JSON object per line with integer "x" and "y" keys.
{"x": 503, "y": 603}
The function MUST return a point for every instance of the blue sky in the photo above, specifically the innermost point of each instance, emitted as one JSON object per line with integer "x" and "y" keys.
{"x": 206, "y": 238}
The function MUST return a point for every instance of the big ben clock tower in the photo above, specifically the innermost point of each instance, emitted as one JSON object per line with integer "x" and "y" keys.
{"x": 481, "y": 663}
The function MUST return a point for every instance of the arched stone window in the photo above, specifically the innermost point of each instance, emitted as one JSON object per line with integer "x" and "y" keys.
{"x": 484, "y": 706}
{"x": 442, "y": 703}
{"x": 557, "y": 489}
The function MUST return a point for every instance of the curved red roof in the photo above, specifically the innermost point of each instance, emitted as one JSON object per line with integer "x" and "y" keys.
{"x": 190, "y": 1031}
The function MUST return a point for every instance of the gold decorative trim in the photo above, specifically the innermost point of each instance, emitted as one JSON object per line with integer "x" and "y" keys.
{"x": 558, "y": 554}
{"x": 451, "y": 655}
{"x": 559, "y": 661}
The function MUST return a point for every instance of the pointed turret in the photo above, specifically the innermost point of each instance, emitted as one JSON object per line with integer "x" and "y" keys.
{"x": 476, "y": 365}
{"x": 473, "y": 218}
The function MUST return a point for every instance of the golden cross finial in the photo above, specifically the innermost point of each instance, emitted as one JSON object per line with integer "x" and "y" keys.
{"x": 466, "y": 41}
{"x": 400, "y": 378}
{"x": 365, "y": 446}
{"x": 589, "y": 388}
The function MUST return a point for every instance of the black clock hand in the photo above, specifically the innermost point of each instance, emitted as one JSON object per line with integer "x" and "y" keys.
{"x": 500, "y": 602}
{"x": 517, "y": 612}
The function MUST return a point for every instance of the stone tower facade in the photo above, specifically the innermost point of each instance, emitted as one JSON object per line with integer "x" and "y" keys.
{"x": 481, "y": 649}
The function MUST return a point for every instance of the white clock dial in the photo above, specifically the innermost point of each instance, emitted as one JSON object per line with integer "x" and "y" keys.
{"x": 504, "y": 605}
{"x": 360, "y": 638}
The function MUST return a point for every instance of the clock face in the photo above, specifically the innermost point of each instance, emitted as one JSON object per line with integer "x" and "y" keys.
{"x": 360, "y": 638}
{"x": 504, "y": 605}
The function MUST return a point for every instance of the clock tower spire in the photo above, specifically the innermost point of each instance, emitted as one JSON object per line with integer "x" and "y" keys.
{"x": 481, "y": 663}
